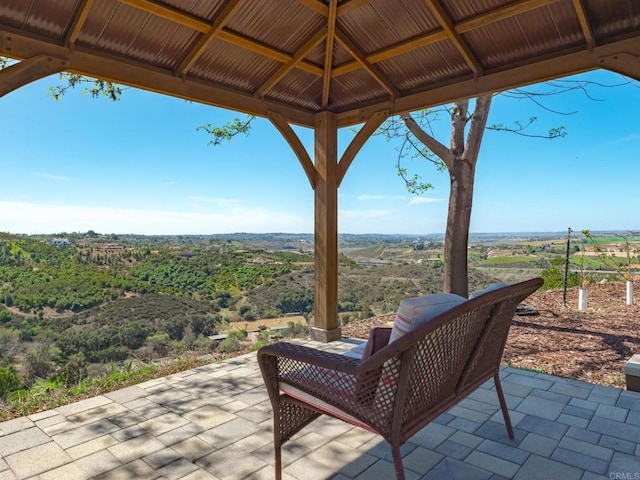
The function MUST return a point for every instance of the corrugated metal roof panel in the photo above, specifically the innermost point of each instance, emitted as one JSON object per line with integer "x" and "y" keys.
{"x": 233, "y": 67}
{"x": 298, "y": 88}
{"x": 373, "y": 27}
{"x": 430, "y": 64}
{"x": 614, "y": 17}
{"x": 344, "y": 88}
{"x": 296, "y": 23}
{"x": 47, "y": 17}
{"x": 402, "y": 38}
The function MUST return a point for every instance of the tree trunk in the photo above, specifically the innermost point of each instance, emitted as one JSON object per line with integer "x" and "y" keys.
{"x": 462, "y": 176}
{"x": 456, "y": 276}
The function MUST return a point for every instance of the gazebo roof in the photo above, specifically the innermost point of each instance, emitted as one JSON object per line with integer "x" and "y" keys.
{"x": 300, "y": 57}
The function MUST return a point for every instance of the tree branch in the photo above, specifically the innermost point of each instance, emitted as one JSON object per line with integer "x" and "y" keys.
{"x": 478, "y": 124}
{"x": 434, "y": 145}
{"x": 228, "y": 130}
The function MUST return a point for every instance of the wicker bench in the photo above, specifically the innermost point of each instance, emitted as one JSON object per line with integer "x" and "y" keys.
{"x": 404, "y": 385}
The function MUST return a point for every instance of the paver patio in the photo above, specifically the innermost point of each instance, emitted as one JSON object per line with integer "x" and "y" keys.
{"x": 214, "y": 422}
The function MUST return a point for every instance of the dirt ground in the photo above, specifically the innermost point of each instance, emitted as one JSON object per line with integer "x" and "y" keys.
{"x": 592, "y": 345}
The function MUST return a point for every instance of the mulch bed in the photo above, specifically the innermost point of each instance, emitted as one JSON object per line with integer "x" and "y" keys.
{"x": 592, "y": 345}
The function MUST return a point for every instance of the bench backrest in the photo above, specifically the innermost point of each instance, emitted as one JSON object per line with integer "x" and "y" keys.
{"x": 430, "y": 369}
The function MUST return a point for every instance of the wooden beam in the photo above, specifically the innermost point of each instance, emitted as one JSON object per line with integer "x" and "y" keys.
{"x": 87, "y": 61}
{"x": 443, "y": 19}
{"x": 371, "y": 69}
{"x": 326, "y": 328}
{"x": 29, "y": 70}
{"x": 328, "y": 54}
{"x": 623, "y": 63}
{"x": 581, "y": 11}
{"x": 358, "y": 142}
{"x": 78, "y": 21}
{"x": 221, "y": 19}
{"x": 569, "y": 62}
{"x": 296, "y": 145}
{"x": 297, "y": 57}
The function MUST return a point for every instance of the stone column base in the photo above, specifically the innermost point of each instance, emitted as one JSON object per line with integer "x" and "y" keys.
{"x": 326, "y": 336}
{"x": 632, "y": 373}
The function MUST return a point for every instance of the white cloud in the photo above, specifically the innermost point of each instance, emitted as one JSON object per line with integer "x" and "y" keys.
{"x": 17, "y": 217}
{"x": 55, "y": 177}
{"x": 422, "y": 200}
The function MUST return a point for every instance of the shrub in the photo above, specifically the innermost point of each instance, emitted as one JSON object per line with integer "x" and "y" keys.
{"x": 229, "y": 344}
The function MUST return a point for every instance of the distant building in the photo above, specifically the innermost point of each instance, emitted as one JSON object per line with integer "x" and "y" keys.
{"x": 60, "y": 242}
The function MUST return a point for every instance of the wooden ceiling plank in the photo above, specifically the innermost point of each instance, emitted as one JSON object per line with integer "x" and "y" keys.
{"x": 221, "y": 19}
{"x": 316, "y": 6}
{"x": 29, "y": 70}
{"x": 445, "y": 21}
{"x": 169, "y": 13}
{"x": 265, "y": 50}
{"x": 328, "y": 54}
{"x": 78, "y": 21}
{"x": 581, "y": 11}
{"x": 371, "y": 69}
{"x": 297, "y": 58}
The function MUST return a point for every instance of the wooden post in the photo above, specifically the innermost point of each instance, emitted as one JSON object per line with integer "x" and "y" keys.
{"x": 326, "y": 328}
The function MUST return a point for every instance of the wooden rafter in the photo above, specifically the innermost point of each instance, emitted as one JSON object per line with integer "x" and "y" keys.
{"x": 482, "y": 20}
{"x": 584, "y": 23}
{"x": 169, "y": 13}
{"x": 316, "y": 6}
{"x": 181, "y": 18}
{"x": 221, "y": 19}
{"x": 445, "y": 21}
{"x": 371, "y": 69}
{"x": 267, "y": 51}
{"x": 78, "y": 22}
{"x": 328, "y": 55}
{"x": 349, "y": 5}
{"x": 297, "y": 57}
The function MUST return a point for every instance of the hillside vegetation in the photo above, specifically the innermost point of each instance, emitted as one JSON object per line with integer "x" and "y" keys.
{"x": 107, "y": 304}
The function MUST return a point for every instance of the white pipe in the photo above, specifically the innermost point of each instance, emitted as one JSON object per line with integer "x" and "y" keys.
{"x": 582, "y": 299}
{"x": 629, "y": 292}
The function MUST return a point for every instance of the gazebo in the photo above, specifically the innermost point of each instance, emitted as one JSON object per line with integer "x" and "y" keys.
{"x": 322, "y": 64}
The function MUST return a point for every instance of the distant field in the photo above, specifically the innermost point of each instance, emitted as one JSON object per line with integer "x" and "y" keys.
{"x": 509, "y": 259}
{"x": 267, "y": 322}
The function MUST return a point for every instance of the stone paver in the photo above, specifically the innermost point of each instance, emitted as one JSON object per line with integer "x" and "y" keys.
{"x": 214, "y": 423}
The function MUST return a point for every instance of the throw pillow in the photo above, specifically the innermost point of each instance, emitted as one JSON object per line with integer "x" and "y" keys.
{"x": 416, "y": 311}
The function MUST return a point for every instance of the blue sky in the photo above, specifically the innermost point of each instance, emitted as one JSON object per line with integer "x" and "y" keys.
{"x": 140, "y": 166}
